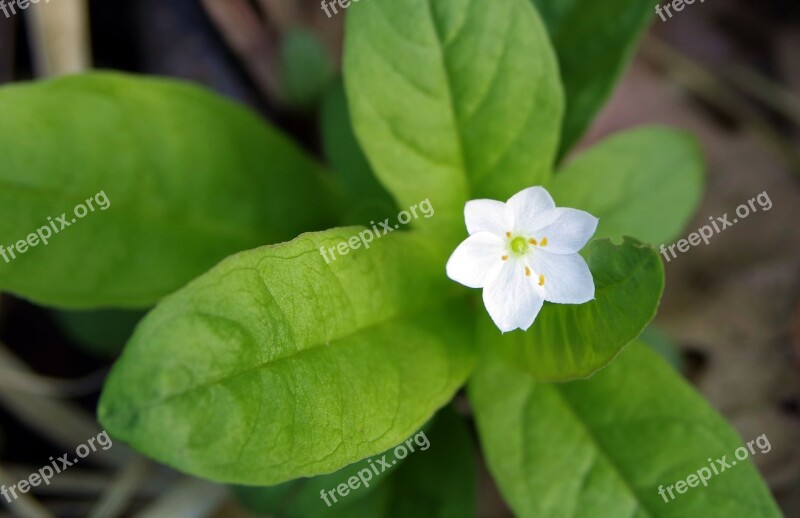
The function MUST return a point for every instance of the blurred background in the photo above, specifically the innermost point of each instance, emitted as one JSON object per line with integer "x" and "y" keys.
{"x": 729, "y": 72}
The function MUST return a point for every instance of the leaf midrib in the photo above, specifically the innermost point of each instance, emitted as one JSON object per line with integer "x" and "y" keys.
{"x": 296, "y": 353}
{"x": 462, "y": 157}
{"x": 603, "y": 453}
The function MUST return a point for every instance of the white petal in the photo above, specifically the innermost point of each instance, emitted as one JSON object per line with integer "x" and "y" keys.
{"x": 513, "y": 299}
{"x": 486, "y": 216}
{"x": 567, "y": 279}
{"x": 475, "y": 258}
{"x": 526, "y": 209}
{"x": 569, "y": 230}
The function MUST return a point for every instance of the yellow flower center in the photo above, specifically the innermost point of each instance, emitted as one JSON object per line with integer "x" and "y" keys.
{"x": 519, "y": 245}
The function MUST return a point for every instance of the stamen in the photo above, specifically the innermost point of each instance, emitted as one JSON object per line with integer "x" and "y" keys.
{"x": 504, "y": 258}
{"x": 508, "y": 234}
{"x": 544, "y": 242}
{"x": 527, "y": 271}
{"x": 541, "y": 280}
{"x": 533, "y": 242}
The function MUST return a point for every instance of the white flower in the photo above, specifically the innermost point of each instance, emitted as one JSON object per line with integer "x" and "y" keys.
{"x": 522, "y": 253}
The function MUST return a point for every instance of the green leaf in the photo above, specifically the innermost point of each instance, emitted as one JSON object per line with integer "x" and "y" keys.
{"x": 602, "y": 447}
{"x": 453, "y": 99}
{"x": 275, "y": 365}
{"x": 189, "y": 179}
{"x": 662, "y": 344}
{"x": 644, "y": 183}
{"x": 573, "y": 341}
{"x": 594, "y": 42}
{"x": 367, "y": 200}
{"x": 306, "y": 69}
{"x": 436, "y": 482}
{"x": 302, "y": 498}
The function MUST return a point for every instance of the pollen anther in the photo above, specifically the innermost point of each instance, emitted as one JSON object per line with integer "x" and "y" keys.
{"x": 541, "y": 280}
{"x": 527, "y": 271}
{"x": 544, "y": 242}
{"x": 533, "y": 242}
{"x": 508, "y": 234}
{"x": 504, "y": 258}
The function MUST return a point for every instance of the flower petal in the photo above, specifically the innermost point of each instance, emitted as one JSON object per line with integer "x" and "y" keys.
{"x": 567, "y": 279}
{"x": 486, "y": 216}
{"x": 568, "y": 231}
{"x": 475, "y": 258}
{"x": 513, "y": 299}
{"x": 526, "y": 209}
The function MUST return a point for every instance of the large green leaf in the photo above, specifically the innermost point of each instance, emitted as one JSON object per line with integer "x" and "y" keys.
{"x": 573, "y": 341}
{"x": 644, "y": 183}
{"x": 594, "y": 42}
{"x": 435, "y": 482}
{"x": 453, "y": 99}
{"x": 275, "y": 365}
{"x": 602, "y": 447}
{"x": 367, "y": 200}
{"x": 189, "y": 179}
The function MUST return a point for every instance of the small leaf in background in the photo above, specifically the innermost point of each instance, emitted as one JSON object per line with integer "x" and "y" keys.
{"x": 594, "y": 42}
{"x": 438, "y": 482}
{"x": 367, "y": 200}
{"x": 302, "y": 498}
{"x": 645, "y": 183}
{"x": 307, "y": 366}
{"x": 306, "y": 69}
{"x": 573, "y": 341}
{"x": 101, "y": 332}
{"x": 602, "y": 447}
{"x": 442, "y": 479}
{"x": 453, "y": 100}
{"x": 662, "y": 344}
{"x": 189, "y": 178}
